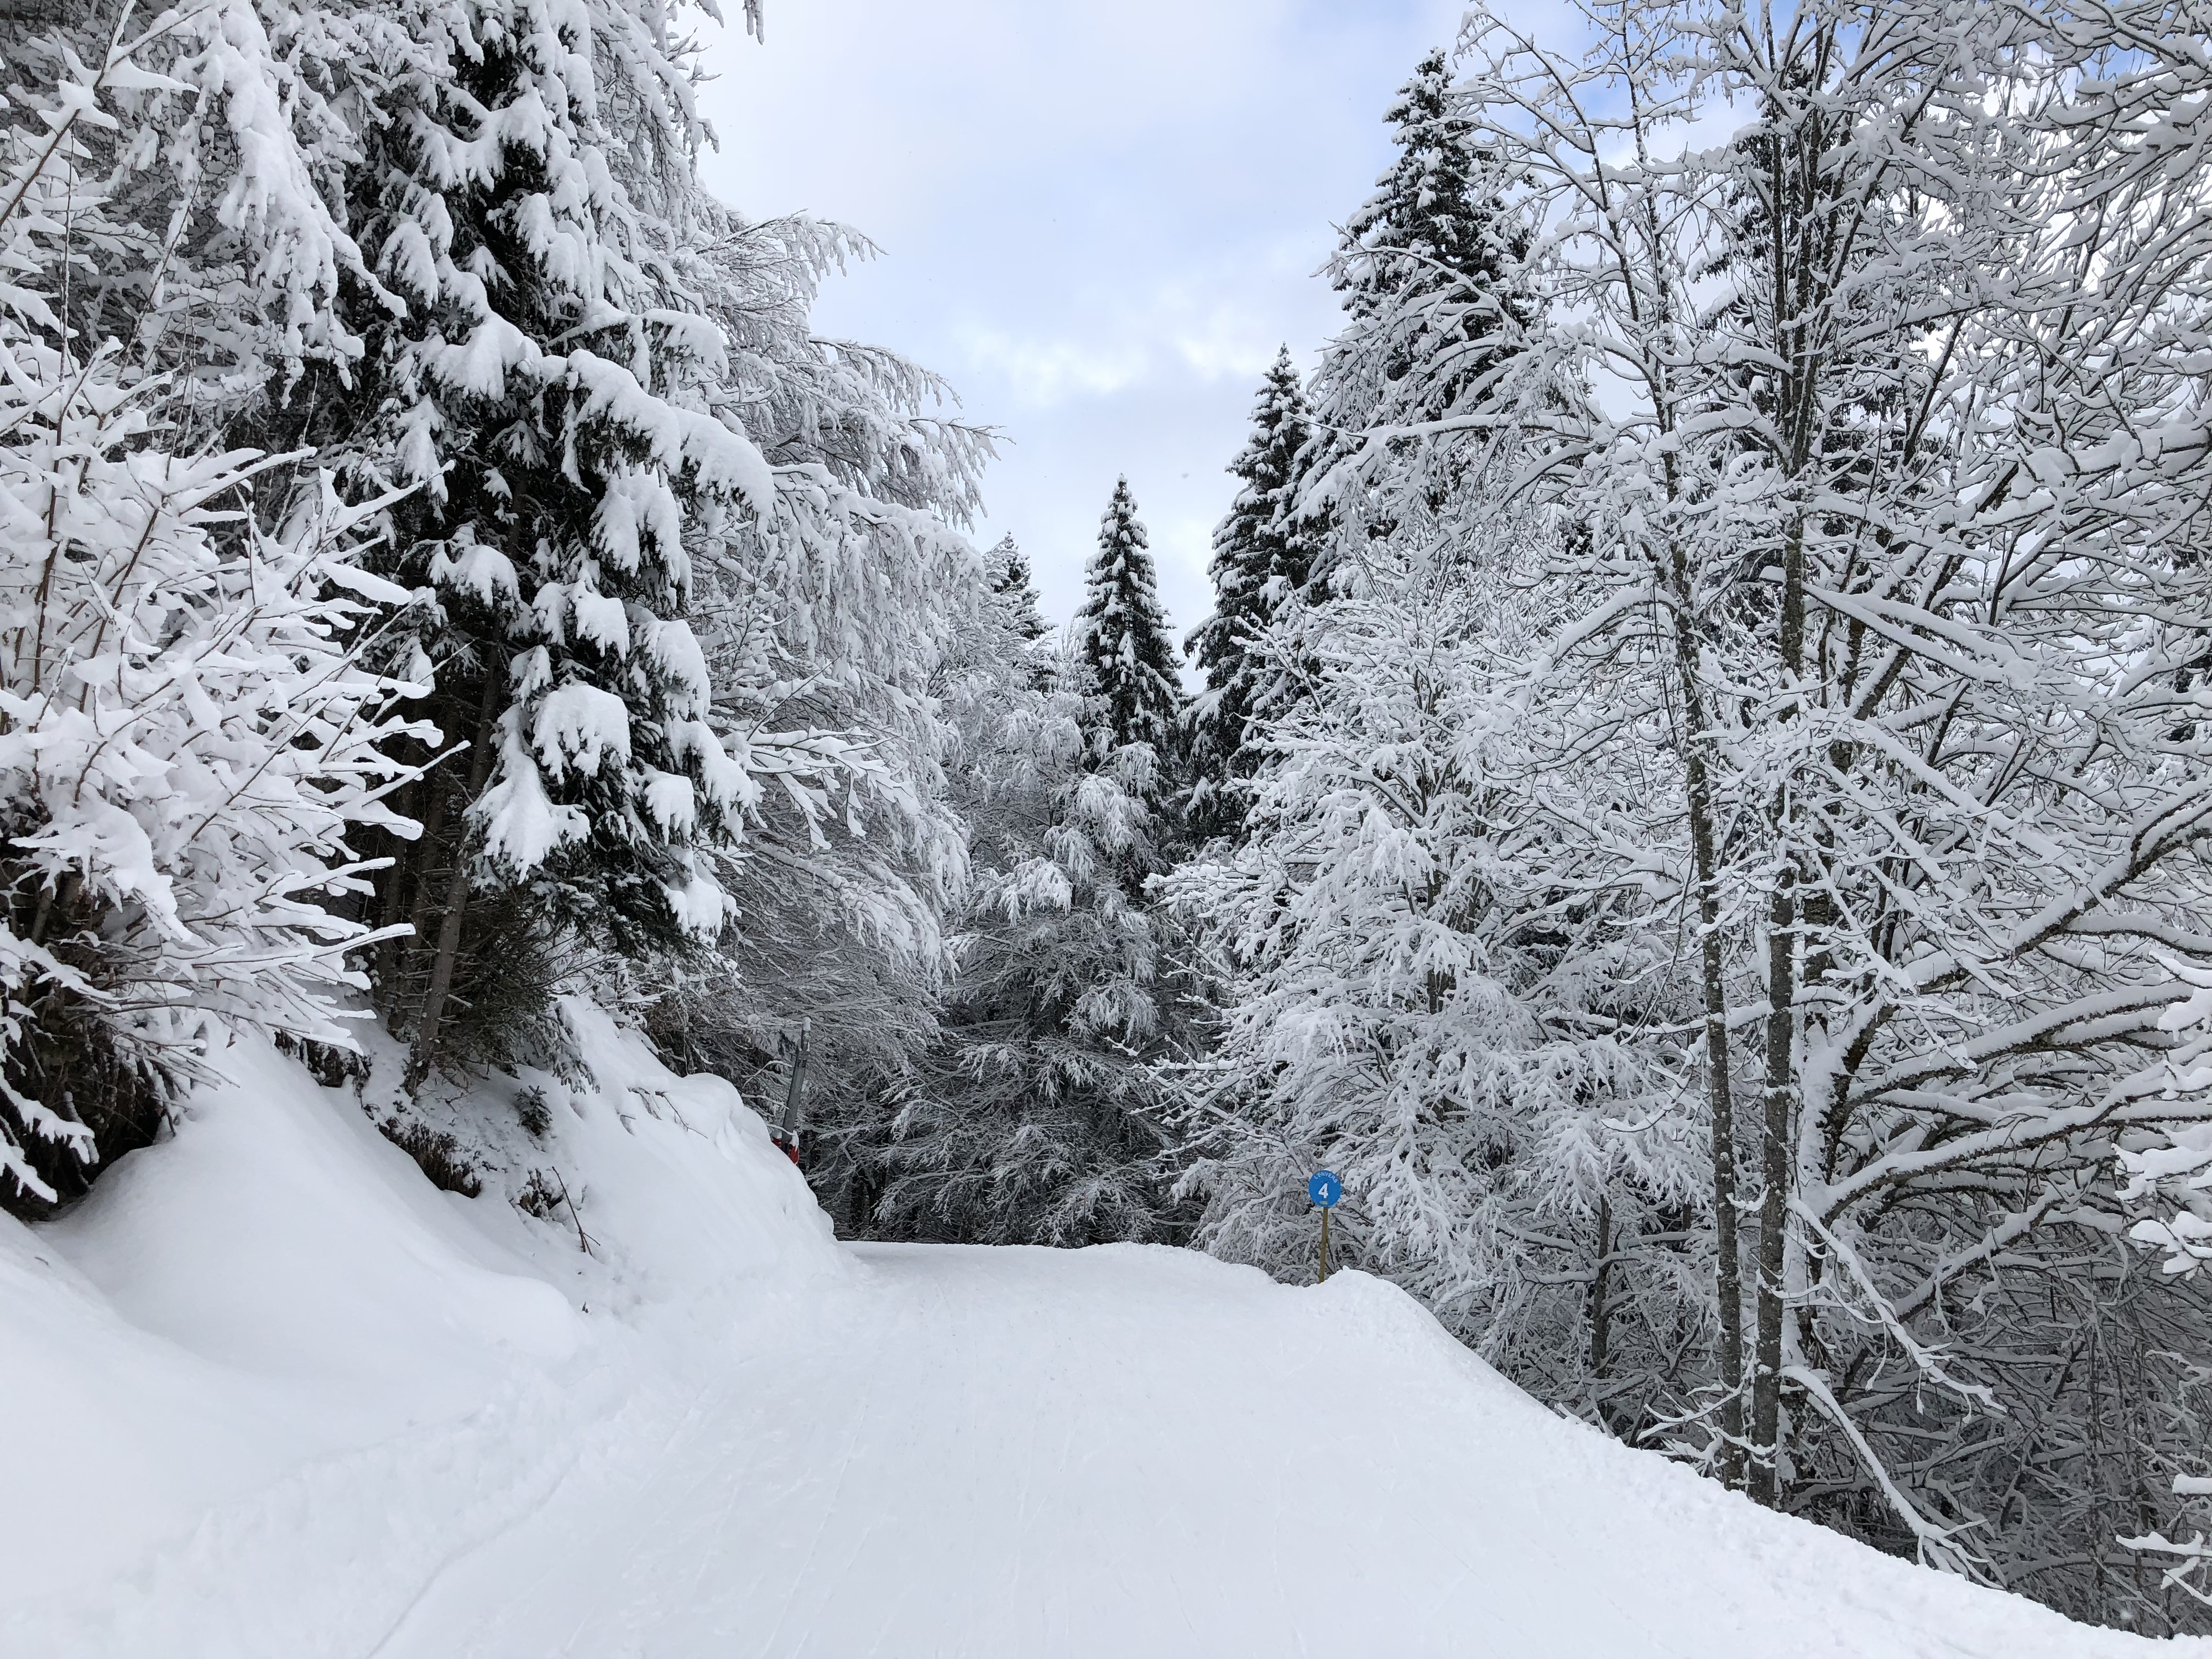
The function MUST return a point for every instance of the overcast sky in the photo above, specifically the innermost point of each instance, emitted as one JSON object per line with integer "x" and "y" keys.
{"x": 1098, "y": 220}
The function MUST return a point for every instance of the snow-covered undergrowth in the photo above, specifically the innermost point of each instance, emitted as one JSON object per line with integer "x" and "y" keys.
{"x": 266, "y": 1380}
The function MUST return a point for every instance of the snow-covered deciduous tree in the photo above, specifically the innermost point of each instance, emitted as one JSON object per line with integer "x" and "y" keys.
{"x": 837, "y": 633}
{"x": 189, "y": 744}
{"x": 1892, "y": 651}
{"x": 1861, "y": 417}
{"x": 1435, "y": 984}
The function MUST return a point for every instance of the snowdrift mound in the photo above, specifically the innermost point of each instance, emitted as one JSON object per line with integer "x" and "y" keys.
{"x": 267, "y": 1377}
{"x": 277, "y": 1395}
{"x": 1135, "y": 1451}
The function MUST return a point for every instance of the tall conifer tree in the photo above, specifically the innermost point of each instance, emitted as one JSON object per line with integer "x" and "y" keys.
{"x": 1007, "y": 570}
{"x": 536, "y": 353}
{"x": 1426, "y": 270}
{"x": 1423, "y": 230}
{"x": 1261, "y": 555}
{"x": 1121, "y": 634}
{"x": 1039, "y": 1115}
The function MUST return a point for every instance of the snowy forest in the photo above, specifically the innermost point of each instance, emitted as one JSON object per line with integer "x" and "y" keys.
{"x": 1694, "y": 798}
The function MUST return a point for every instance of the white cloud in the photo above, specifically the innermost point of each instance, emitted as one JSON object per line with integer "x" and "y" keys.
{"x": 1099, "y": 220}
{"x": 1234, "y": 345}
{"x": 1045, "y": 373}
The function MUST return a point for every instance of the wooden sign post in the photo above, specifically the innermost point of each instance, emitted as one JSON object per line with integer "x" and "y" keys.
{"x": 1324, "y": 1189}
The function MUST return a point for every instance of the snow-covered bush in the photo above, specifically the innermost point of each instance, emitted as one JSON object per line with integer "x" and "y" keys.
{"x": 1431, "y": 987}
{"x": 188, "y": 742}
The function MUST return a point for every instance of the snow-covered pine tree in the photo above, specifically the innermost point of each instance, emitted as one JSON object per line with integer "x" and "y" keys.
{"x": 1038, "y": 1115}
{"x": 1121, "y": 636}
{"x": 1422, "y": 233}
{"x": 985, "y": 686}
{"x": 1006, "y": 570}
{"x": 1426, "y": 271}
{"x": 1262, "y": 557}
{"x": 535, "y": 347}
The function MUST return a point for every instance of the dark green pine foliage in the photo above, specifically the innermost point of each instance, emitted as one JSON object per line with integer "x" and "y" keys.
{"x": 1039, "y": 1114}
{"x": 1261, "y": 557}
{"x": 1121, "y": 634}
{"x": 543, "y": 405}
{"x": 1006, "y": 570}
{"x": 1426, "y": 270}
{"x": 1430, "y": 231}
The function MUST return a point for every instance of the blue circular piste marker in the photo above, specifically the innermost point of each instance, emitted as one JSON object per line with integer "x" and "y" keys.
{"x": 1325, "y": 1188}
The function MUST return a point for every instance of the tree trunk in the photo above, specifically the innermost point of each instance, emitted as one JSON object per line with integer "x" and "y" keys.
{"x": 424, "y": 869}
{"x": 405, "y": 871}
{"x": 1775, "y": 1145}
{"x": 1728, "y": 1286}
{"x": 425, "y": 1054}
{"x": 1779, "y": 1118}
{"x": 1601, "y": 1313}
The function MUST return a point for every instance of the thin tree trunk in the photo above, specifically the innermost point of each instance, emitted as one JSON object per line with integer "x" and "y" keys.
{"x": 1705, "y": 853}
{"x": 1601, "y": 1312}
{"x": 1779, "y": 1117}
{"x": 1728, "y": 1285}
{"x": 425, "y": 1054}
{"x": 424, "y": 868}
{"x": 1776, "y": 1143}
{"x": 405, "y": 871}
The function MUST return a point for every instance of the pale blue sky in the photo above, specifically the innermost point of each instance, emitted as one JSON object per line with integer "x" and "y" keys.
{"x": 1097, "y": 220}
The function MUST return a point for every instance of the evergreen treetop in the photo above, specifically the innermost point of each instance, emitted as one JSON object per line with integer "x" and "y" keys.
{"x": 1262, "y": 554}
{"x": 1006, "y": 570}
{"x": 1424, "y": 230}
{"x": 1121, "y": 632}
{"x": 1428, "y": 271}
{"x": 1428, "y": 261}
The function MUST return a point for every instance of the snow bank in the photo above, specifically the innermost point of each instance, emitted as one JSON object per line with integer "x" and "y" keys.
{"x": 273, "y": 1394}
{"x": 267, "y": 1379}
{"x": 1139, "y": 1451}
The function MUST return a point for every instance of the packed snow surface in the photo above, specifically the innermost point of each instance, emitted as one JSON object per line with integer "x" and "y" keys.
{"x": 271, "y": 1393}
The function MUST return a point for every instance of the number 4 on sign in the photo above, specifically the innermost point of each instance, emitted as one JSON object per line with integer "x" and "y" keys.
{"x": 1325, "y": 1189}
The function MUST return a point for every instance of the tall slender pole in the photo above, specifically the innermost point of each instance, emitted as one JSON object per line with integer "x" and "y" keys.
{"x": 1324, "y": 1246}
{"x": 795, "y": 1100}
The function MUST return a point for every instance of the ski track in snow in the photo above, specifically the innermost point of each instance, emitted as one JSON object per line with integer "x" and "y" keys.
{"x": 274, "y": 1396}
{"x": 1127, "y": 1450}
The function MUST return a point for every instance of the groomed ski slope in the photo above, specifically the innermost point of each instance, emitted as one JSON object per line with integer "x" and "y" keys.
{"x": 271, "y": 1394}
